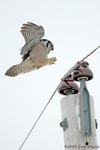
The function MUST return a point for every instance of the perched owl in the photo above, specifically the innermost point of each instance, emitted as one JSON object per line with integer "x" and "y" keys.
{"x": 34, "y": 52}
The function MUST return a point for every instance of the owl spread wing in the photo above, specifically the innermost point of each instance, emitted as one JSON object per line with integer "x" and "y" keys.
{"x": 32, "y": 34}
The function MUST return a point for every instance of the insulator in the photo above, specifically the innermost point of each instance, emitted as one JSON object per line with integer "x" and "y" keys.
{"x": 68, "y": 88}
{"x": 83, "y": 72}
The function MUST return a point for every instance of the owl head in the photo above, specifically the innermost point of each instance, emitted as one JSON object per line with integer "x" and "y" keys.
{"x": 48, "y": 44}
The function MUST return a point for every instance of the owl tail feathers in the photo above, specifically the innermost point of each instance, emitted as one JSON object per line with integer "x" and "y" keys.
{"x": 23, "y": 67}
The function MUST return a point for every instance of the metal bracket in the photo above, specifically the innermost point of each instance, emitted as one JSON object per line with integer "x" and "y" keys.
{"x": 64, "y": 124}
{"x": 96, "y": 124}
{"x": 85, "y": 109}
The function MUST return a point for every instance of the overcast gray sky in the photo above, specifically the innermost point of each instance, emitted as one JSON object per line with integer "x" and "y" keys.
{"x": 74, "y": 28}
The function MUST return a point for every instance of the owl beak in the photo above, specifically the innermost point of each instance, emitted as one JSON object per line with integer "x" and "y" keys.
{"x": 52, "y": 48}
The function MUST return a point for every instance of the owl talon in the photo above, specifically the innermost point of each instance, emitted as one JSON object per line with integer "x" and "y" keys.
{"x": 52, "y": 60}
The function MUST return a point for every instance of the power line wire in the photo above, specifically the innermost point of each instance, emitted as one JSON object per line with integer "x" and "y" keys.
{"x": 39, "y": 117}
{"x": 90, "y": 53}
{"x": 79, "y": 63}
{"x": 65, "y": 76}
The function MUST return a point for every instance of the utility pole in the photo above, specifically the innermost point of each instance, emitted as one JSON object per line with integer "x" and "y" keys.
{"x": 77, "y": 111}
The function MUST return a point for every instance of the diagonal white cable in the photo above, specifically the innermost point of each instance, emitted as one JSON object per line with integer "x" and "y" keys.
{"x": 39, "y": 117}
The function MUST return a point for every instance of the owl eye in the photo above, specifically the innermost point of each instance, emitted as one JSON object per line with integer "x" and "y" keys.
{"x": 52, "y": 47}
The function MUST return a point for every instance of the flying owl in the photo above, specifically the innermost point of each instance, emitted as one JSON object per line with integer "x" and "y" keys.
{"x": 34, "y": 52}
